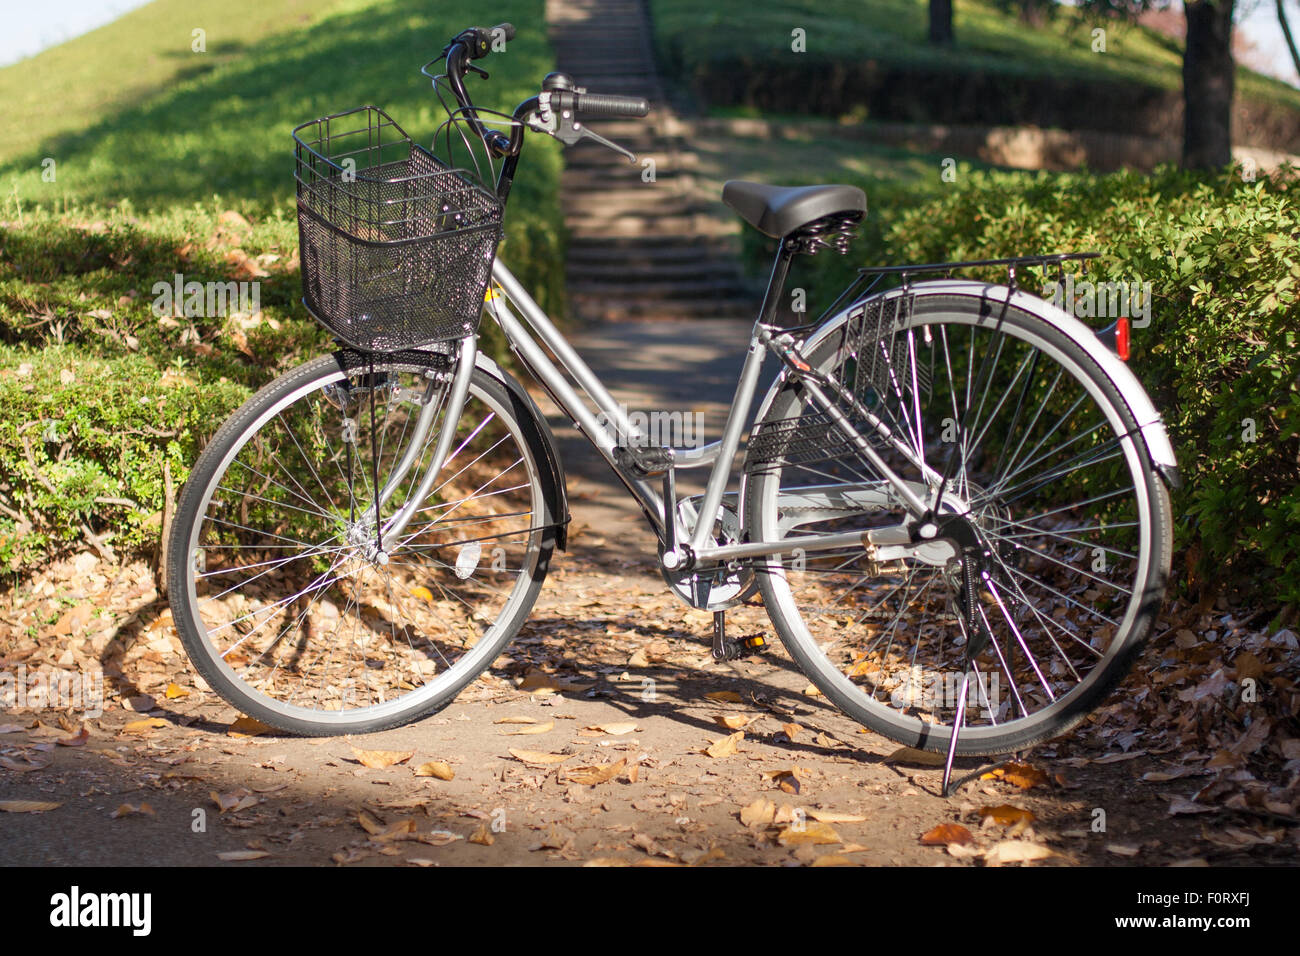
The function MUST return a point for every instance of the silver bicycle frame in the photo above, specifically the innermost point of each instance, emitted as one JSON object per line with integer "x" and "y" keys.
{"x": 619, "y": 431}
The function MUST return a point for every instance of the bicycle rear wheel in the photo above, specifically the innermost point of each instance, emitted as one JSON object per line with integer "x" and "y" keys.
{"x": 1044, "y": 467}
{"x": 286, "y": 599}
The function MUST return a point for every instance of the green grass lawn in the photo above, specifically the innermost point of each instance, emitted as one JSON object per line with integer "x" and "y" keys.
{"x": 894, "y": 32}
{"x": 168, "y": 160}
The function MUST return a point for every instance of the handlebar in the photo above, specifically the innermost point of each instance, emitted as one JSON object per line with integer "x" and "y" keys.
{"x": 609, "y": 104}
{"x": 559, "y": 103}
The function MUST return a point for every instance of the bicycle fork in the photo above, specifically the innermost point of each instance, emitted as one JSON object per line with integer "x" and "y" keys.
{"x": 451, "y": 408}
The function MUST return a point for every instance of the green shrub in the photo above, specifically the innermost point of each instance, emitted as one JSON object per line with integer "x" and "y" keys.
{"x": 122, "y": 395}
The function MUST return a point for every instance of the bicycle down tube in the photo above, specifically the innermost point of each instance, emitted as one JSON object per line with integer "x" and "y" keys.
{"x": 719, "y": 454}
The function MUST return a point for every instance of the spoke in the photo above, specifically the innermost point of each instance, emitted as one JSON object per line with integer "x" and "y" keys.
{"x": 320, "y": 550}
{"x": 1020, "y": 638}
{"x": 272, "y": 501}
{"x": 306, "y": 461}
{"x": 1069, "y": 567}
{"x": 1064, "y": 597}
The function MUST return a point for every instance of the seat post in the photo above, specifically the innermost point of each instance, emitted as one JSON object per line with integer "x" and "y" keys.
{"x": 776, "y": 282}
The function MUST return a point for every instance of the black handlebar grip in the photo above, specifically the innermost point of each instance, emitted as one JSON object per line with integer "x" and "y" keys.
{"x": 610, "y": 104}
{"x": 507, "y": 31}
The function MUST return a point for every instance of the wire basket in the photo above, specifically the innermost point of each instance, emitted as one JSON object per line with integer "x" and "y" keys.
{"x": 396, "y": 245}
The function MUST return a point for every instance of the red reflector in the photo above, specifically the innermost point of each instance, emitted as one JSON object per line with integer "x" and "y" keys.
{"x": 1121, "y": 338}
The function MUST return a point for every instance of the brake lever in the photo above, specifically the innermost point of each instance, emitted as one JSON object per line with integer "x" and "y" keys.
{"x": 564, "y": 127}
{"x": 585, "y": 131}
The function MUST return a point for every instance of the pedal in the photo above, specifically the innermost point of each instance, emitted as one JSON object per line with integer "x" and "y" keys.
{"x": 645, "y": 462}
{"x": 726, "y": 649}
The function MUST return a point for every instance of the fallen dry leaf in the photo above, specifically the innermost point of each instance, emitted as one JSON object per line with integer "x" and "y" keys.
{"x": 724, "y": 696}
{"x": 833, "y": 859}
{"x": 787, "y": 779}
{"x": 827, "y": 816}
{"x": 24, "y": 765}
{"x": 379, "y": 759}
{"x": 813, "y": 833}
{"x": 592, "y": 775}
{"x": 248, "y": 727}
{"x": 923, "y": 758}
{"x": 483, "y": 835}
{"x": 733, "y": 721}
{"x": 615, "y": 729}
{"x": 435, "y": 768}
{"x": 946, "y": 833}
{"x": 531, "y": 729}
{"x": 79, "y": 740}
{"x": 130, "y": 809}
{"x": 27, "y": 806}
{"x": 174, "y": 691}
{"x": 1022, "y": 775}
{"x": 724, "y": 746}
{"x": 1006, "y": 815}
{"x": 234, "y": 801}
{"x": 144, "y": 726}
{"x": 540, "y": 757}
{"x": 239, "y": 856}
{"x": 515, "y": 720}
{"x": 1016, "y": 851}
{"x": 759, "y": 813}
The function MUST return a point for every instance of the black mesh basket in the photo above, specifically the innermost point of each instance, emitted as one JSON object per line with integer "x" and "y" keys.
{"x": 396, "y": 246}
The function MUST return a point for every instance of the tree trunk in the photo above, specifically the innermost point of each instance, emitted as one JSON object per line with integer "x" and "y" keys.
{"x": 1208, "y": 74}
{"x": 941, "y": 22}
{"x": 1286, "y": 32}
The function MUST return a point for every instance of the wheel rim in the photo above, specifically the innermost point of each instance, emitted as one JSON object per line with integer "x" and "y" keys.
{"x": 287, "y": 595}
{"x": 890, "y": 645}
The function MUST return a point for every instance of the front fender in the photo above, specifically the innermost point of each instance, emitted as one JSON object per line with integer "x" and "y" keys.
{"x": 560, "y": 502}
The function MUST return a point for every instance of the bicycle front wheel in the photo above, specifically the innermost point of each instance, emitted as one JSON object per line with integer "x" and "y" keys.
{"x": 289, "y": 602}
{"x": 1042, "y": 470}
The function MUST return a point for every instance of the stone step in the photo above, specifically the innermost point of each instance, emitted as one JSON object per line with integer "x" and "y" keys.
{"x": 683, "y": 227}
{"x": 638, "y": 249}
{"x": 609, "y": 309}
{"x": 625, "y": 270}
{"x": 709, "y": 287}
{"x": 654, "y": 250}
{"x": 601, "y": 206}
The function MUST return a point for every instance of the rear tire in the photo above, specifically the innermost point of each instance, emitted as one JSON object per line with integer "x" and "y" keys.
{"x": 884, "y": 644}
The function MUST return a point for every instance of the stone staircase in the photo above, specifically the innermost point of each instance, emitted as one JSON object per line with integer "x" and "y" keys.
{"x": 645, "y": 241}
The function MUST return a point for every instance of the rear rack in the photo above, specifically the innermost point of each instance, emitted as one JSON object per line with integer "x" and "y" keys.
{"x": 869, "y": 277}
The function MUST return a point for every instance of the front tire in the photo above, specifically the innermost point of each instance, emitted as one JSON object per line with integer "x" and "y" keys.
{"x": 291, "y": 606}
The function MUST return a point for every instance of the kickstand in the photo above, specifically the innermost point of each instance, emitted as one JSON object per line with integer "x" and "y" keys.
{"x": 956, "y": 730}
{"x": 977, "y": 637}
{"x": 723, "y": 649}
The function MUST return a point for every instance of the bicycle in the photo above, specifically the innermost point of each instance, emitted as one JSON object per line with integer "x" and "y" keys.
{"x": 954, "y": 501}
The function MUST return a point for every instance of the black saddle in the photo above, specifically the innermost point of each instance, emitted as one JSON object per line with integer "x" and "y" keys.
{"x": 777, "y": 211}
